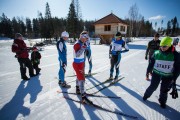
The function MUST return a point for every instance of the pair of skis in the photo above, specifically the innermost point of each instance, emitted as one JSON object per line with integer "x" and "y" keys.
{"x": 93, "y": 95}
{"x": 112, "y": 82}
{"x": 102, "y": 108}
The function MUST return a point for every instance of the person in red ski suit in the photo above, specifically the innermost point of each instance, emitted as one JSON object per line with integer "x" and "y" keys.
{"x": 78, "y": 65}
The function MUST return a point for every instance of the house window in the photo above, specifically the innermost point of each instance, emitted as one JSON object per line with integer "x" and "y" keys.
{"x": 107, "y": 28}
{"x": 122, "y": 28}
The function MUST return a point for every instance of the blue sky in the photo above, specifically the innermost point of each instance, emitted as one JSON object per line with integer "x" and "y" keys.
{"x": 153, "y": 10}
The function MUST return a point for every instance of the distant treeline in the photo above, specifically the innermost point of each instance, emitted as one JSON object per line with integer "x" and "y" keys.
{"x": 51, "y": 27}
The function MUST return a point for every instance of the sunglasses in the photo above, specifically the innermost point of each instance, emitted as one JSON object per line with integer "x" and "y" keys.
{"x": 118, "y": 36}
{"x": 164, "y": 46}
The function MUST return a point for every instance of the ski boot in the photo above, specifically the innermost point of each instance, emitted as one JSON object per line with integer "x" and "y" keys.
{"x": 115, "y": 79}
{"x": 144, "y": 98}
{"x": 63, "y": 84}
{"x": 111, "y": 77}
{"x": 25, "y": 78}
{"x": 89, "y": 73}
{"x": 162, "y": 104}
{"x": 85, "y": 100}
{"x": 33, "y": 75}
{"x": 38, "y": 71}
{"x": 78, "y": 90}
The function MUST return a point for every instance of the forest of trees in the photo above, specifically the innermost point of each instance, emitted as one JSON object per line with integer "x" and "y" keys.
{"x": 50, "y": 27}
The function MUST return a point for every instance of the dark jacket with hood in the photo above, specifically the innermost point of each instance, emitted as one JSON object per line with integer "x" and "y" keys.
{"x": 152, "y": 46}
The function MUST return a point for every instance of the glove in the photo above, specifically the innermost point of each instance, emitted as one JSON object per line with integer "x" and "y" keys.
{"x": 64, "y": 66}
{"x": 83, "y": 46}
{"x": 174, "y": 92}
{"x": 110, "y": 56}
{"x": 26, "y": 49}
{"x": 16, "y": 56}
{"x": 145, "y": 57}
{"x": 118, "y": 52}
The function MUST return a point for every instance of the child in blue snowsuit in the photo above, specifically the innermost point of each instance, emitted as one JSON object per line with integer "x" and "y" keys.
{"x": 62, "y": 52}
{"x": 115, "y": 54}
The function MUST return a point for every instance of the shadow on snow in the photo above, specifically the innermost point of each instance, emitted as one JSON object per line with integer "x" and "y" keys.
{"x": 15, "y": 106}
{"x": 77, "y": 111}
{"x": 123, "y": 106}
{"x": 169, "y": 112}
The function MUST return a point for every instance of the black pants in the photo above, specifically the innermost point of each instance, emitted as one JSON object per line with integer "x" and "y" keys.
{"x": 115, "y": 61}
{"x": 165, "y": 83}
{"x": 25, "y": 62}
{"x": 149, "y": 60}
{"x": 36, "y": 67}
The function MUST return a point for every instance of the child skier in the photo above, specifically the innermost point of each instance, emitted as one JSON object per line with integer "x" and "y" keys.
{"x": 35, "y": 59}
{"x": 62, "y": 52}
{"x": 115, "y": 54}
{"x": 78, "y": 65}
{"x": 165, "y": 64}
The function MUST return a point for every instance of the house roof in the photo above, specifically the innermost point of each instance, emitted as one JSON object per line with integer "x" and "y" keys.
{"x": 111, "y": 18}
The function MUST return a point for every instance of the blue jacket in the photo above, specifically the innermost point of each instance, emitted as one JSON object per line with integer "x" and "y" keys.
{"x": 62, "y": 51}
{"x": 117, "y": 45}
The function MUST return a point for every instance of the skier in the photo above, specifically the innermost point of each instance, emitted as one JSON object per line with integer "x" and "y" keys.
{"x": 152, "y": 46}
{"x": 35, "y": 59}
{"x": 78, "y": 65}
{"x": 165, "y": 64}
{"x": 115, "y": 54}
{"x": 88, "y": 53}
{"x": 19, "y": 47}
{"x": 62, "y": 52}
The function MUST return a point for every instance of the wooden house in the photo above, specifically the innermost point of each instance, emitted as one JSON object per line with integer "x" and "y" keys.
{"x": 108, "y": 26}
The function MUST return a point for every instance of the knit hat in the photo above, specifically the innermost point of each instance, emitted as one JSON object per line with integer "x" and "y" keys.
{"x": 166, "y": 41}
{"x": 35, "y": 48}
{"x": 156, "y": 35}
{"x": 17, "y": 35}
{"x": 84, "y": 34}
{"x": 64, "y": 34}
{"x": 118, "y": 34}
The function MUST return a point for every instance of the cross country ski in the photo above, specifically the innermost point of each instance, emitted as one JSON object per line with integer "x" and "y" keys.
{"x": 110, "y": 84}
{"x": 88, "y": 94}
{"x": 106, "y": 81}
{"x": 102, "y": 108}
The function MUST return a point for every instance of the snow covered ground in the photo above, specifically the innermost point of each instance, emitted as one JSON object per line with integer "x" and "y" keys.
{"x": 38, "y": 99}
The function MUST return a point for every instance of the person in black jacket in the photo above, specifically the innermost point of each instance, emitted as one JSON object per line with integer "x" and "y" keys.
{"x": 152, "y": 46}
{"x": 35, "y": 59}
{"x": 165, "y": 64}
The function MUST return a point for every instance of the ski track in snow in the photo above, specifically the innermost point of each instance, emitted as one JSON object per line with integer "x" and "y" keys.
{"x": 45, "y": 103}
